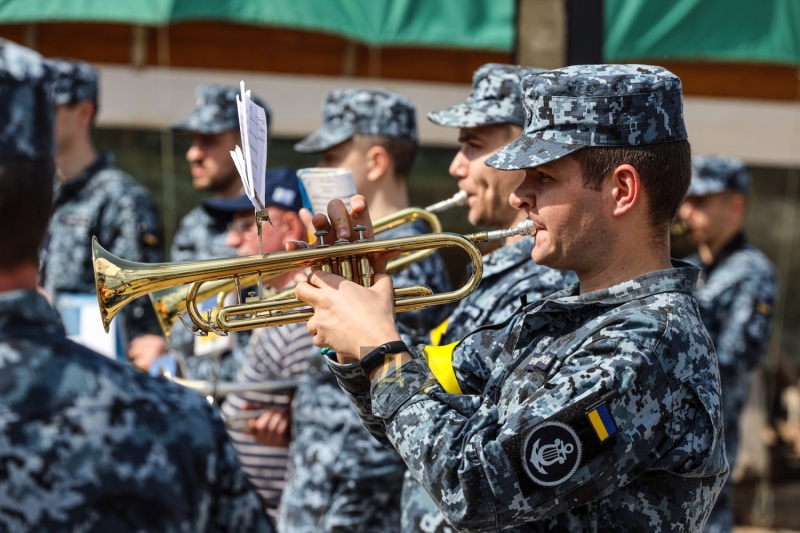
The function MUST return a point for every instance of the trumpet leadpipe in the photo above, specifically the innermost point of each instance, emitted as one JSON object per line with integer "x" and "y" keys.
{"x": 457, "y": 200}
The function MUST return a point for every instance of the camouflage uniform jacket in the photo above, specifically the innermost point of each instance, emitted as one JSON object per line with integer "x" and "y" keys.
{"x": 593, "y": 412}
{"x": 201, "y": 236}
{"x": 89, "y": 444}
{"x": 104, "y": 202}
{"x": 340, "y": 477}
{"x": 508, "y": 276}
{"x": 736, "y": 295}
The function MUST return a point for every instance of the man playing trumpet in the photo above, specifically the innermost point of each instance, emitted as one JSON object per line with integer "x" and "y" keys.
{"x": 596, "y": 407}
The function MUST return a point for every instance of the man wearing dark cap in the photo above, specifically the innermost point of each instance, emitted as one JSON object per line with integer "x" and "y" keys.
{"x": 88, "y": 444}
{"x": 736, "y": 292}
{"x": 275, "y": 353}
{"x": 595, "y": 408}
{"x": 93, "y": 198}
{"x": 490, "y": 118}
{"x": 355, "y": 484}
{"x": 202, "y": 233}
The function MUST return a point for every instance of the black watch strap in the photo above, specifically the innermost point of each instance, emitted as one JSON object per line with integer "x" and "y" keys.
{"x": 376, "y": 357}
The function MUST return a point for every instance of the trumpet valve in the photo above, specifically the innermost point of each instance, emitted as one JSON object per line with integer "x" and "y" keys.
{"x": 360, "y": 228}
{"x": 346, "y": 269}
{"x": 365, "y": 271}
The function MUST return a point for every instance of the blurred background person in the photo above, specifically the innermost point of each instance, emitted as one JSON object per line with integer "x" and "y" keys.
{"x": 202, "y": 233}
{"x": 93, "y": 198}
{"x": 340, "y": 477}
{"x": 273, "y": 353}
{"x": 84, "y": 440}
{"x": 736, "y": 293}
{"x": 490, "y": 118}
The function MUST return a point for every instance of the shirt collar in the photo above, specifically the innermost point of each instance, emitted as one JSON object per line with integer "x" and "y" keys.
{"x": 28, "y": 307}
{"x": 682, "y": 277}
{"x": 104, "y": 160}
{"x": 736, "y": 243}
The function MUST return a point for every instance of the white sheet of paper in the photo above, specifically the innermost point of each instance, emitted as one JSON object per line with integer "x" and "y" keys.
{"x": 257, "y": 143}
{"x": 251, "y": 159}
{"x": 325, "y": 184}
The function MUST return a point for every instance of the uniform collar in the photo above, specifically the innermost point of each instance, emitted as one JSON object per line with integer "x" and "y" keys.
{"x": 682, "y": 277}
{"x": 508, "y": 257}
{"x": 734, "y": 245}
{"x": 103, "y": 161}
{"x": 27, "y": 307}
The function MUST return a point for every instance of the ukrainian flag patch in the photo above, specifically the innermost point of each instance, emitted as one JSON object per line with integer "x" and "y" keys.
{"x": 602, "y": 422}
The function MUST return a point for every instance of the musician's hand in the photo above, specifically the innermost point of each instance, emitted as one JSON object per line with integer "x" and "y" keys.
{"x": 349, "y": 318}
{"x": 272, "y": 428}
{"x": 145, "y": 349}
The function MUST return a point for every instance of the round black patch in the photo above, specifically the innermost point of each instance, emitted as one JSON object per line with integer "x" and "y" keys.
{"x": 552, "y": 453}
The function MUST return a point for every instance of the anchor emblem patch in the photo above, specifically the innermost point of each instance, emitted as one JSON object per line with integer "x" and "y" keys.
{"x": 552, "y": 453}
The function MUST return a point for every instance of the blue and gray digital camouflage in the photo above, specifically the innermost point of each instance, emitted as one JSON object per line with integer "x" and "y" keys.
{"x": 26, "y": 116}
{"x": 594, "y": 105}
{"x": 495, "y": 99}
{"x": 348, "y": 112}
{"x": 75, "y": 81}
{"x": 737, "y": 296}
{"x": 215, "y": 110}
{"x": 585, "y": 412}
{"x": 713, "y": 174}
{"x": 340, "y": 478}
{"x": 202, "y": 235}
{"x": 509, "y": 275}
{"x": 89, "y": 444}
{"x": 105, "y": 202}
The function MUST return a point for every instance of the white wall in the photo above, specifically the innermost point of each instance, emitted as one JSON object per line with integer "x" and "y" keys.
{"x": 760, "y": 132}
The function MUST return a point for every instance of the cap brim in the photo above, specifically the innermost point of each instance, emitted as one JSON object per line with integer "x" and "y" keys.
{"x": 196, "y": 124}
{"x": 528, "y": 152}
{"x": 462, "y": 116}
{"x": 704, "y": 188}
{"x": 321, "y": 140}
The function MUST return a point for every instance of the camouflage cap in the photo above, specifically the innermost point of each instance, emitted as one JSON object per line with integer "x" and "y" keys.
{"x": 495, "y": 99}
{"x": 348, "y": 112}
{"x": 594, "y": 105}
{"x": 75, "y": 81}
{"x": 714, "y": 173}
{"x": 26, "y": 103}
{"x": 215, "y": 110}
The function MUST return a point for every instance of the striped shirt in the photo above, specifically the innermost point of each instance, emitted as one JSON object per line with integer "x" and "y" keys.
{"x": 273, "y": 353}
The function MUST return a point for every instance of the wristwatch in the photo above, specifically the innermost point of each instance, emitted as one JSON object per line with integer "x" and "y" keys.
{"x": 377, "y": 357}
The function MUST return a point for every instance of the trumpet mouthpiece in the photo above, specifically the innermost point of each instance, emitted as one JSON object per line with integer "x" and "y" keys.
{"x": 525, "y": 228}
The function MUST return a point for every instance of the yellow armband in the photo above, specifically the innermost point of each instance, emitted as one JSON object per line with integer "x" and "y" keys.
{"x": 438, "y": 332}
{"x": 440, "y": 361}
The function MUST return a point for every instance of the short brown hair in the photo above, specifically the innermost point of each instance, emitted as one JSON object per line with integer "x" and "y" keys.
{"x": 26, "y": 199}
{"x": 665, "y": 169}
{"x": 402, "y": 152}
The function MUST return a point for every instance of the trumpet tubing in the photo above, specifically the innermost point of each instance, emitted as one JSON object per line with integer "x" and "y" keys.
{"x": 170, "y": 302}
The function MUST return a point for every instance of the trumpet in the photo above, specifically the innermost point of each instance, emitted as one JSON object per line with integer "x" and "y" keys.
{"x": 119, "y": 281}
{"x": 170, "y": 304}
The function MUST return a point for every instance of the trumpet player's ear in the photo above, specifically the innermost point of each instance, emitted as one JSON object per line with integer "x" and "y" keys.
{"x": 378, "y": 163}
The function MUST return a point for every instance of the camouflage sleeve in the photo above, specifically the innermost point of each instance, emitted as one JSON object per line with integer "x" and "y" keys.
{"x": 742, "y": 340}
{"x": 477, "y": 465}
{"x": 237, "y": 506}
{"x": 356, "y": 386}
{"x": 130, "y": 226}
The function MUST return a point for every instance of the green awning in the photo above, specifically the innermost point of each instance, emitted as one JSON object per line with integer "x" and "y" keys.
{"x": 747, "y": 31}
{"x": 476, "y": 24}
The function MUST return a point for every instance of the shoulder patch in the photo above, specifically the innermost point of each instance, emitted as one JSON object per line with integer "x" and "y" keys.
{"x": 552, "y": 453}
